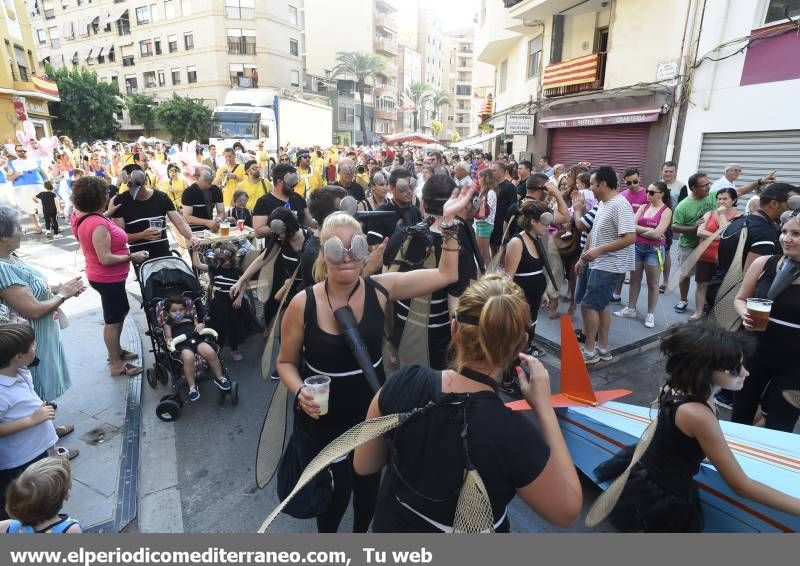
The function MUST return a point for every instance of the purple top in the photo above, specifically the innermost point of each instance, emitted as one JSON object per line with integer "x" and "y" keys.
{"x": 651, "y": 223}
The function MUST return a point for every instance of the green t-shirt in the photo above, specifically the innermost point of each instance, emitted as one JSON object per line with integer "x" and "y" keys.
{"x": 688, "y": 212}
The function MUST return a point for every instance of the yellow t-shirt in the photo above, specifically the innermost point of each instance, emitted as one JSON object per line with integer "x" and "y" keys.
{"x": 230, "y": 186}
{"x": 174, "y": 190}
{"x": 254, "y": 190}
{"x": 310, "y": 181}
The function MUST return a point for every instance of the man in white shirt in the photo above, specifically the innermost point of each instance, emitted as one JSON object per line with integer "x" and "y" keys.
{"x": 609, "y": 253}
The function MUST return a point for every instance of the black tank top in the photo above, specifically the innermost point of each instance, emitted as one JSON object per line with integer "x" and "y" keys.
{"x": 783, "y": 331}
{"x": 673, "y": 458}
{"x": 530, "y": 275}
{"x": 329, "y": 354}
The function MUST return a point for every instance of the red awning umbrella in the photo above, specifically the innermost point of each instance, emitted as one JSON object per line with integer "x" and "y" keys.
{"x": 410, "y": 137}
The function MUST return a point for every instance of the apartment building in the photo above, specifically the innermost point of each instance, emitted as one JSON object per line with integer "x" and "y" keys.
{"x": 601, "y": 88}
{"x": 409, "y": 63}
{"x": 24, "y": 94}
{"x": 742, "y": 104}
{"x": 462, "y": 72}
{"x": 366, "y": 26}
{"x": 200, "y": 48}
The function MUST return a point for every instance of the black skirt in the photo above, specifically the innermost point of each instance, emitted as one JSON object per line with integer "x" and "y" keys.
{"x": 232, "y": 325}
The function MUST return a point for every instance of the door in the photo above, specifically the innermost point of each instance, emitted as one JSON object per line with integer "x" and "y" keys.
{"x": 621, "y": 147}
{"x": 757, "y": 152}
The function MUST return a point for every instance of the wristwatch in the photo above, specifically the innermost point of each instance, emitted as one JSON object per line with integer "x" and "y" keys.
{"x": 61, "y": 296}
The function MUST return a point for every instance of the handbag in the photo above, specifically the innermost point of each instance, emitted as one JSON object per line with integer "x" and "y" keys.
{"x": 315, "y": 497}
{"x": 566, "y": 247}
{"x": 483, "y": 207}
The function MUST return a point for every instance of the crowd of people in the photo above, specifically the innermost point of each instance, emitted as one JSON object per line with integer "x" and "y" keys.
{"x": 444, "y": 262}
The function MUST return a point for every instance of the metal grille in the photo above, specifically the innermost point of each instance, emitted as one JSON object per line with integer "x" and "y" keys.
{"x": 757, "y": 152}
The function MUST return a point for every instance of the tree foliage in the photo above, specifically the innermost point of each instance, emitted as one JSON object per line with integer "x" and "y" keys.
{"x": 439, "y": 98}
{"x": 361, "y": 67}
{"x": 417, "y": 93}
{"x": 436, "y": 127}
{"x": 88, "y": 106}
{"x": 142, "y": 110}
{"x": 185, "y": 118}
{"x": 455, "y": 137}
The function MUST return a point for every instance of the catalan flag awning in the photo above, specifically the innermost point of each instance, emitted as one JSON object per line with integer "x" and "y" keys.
{"x": 572, "y": 72}
{"x": 45, "y": 86}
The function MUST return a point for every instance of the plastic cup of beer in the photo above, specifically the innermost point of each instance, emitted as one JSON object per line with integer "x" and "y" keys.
{"x": 240, "y": 224}
{"x": 320, "y": 387}
{"x": 157, "y": 223}
{"x": 758, "y": 310}
{"x": 224, "y": 229}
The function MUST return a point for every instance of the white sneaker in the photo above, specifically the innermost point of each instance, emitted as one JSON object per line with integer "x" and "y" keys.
{"x": 650, "y": 320}
{"x": 627, "y": 312}
{"x": 604, "y": 355}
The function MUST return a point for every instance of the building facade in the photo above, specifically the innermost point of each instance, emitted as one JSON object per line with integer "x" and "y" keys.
{"x": 197, "y": 48}
{"x": 601, "y": 91}
{"x": 409, "y": 64}
{"x": 366, "y": 26}
{"x": 742, "y": 108}
{"x": 23, "y": 93}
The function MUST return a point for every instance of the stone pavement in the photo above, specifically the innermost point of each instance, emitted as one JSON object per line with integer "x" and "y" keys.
{"x": 104, "y": 474}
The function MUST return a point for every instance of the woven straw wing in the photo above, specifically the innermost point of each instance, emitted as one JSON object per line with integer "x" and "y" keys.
{"x": 272, "y": 437}
{"x": 473, "y": 510}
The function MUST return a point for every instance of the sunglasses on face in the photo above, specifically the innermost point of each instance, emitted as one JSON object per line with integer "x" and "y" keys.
{"x": 632, "y": 183}
{"x": 653, "y": 193}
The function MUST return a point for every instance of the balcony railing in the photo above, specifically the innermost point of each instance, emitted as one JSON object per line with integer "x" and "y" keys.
{"x": 237, "y": 13}
{"x": 242, "y": 82}
{"x": 386, "y": 114}
{"x": 385, "y": 22}
{"x": 575, "y": 75}
{"x": 387, "y": 46}
{"x": 240, "y": 48}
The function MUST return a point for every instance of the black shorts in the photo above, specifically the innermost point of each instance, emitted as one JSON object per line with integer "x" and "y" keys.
{"x": 114, "y": 300}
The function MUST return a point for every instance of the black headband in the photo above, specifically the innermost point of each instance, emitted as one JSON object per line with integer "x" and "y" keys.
{"x": 468, "y": 319}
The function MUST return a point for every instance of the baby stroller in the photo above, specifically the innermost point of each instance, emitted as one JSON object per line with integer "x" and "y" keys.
{"x": 160, "y": 278}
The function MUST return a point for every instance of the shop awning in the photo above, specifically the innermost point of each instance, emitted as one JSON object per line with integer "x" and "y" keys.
{"x": 476, "y": 140}
{"x": 626, "y": 116}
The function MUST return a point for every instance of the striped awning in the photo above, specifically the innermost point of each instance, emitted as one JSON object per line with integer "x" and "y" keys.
{"x": 573, "y": 72}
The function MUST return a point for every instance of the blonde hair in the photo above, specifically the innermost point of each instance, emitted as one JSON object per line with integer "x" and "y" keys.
{"x": 39, "y": 492}
{"x": 332, "y": 222}
{"x": 500, "y": 306}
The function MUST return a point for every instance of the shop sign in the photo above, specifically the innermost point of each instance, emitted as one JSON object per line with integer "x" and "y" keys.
{"x": 19, "y": 108}
{"x": 519, "y": 125}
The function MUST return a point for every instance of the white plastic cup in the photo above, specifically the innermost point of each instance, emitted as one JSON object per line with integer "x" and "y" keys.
{"x": 320, "y": 387}
{"x": 224, "y": 229}
{"x": 157, "y": 223}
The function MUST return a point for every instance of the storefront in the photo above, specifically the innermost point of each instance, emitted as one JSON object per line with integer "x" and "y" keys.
{"x": 621, "y": 136}
{"x": 28, "y": 101}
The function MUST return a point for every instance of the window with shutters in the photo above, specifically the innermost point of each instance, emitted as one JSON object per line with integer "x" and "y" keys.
{"x": 143, "y": 15}
{"x": 294, "y": 47}
{"x": 172, "y": 43}
{"x": 149, "y": 79}
{"x": 188, "y": 41}
{"x": 176, "y": 76}
{"x": 161, "y": 79}
{"x": 146, "y": 48}
{"x": 191, "y": 74}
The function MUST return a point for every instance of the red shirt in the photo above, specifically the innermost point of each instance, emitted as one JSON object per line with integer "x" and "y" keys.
{"x": 96, "y": 271}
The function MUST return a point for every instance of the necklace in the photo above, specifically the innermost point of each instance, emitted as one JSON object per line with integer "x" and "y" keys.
{"x": 350, "y": 296}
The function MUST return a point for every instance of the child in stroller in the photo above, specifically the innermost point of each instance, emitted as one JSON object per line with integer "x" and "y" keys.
{"x": 185, "y": 337}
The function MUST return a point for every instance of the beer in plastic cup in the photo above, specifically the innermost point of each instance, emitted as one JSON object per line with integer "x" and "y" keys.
{"x": 157, "y": 223}
{"x": 240, "y": 225}
{"x": 224, "y": 229}
{"x": 758, "y": 310}
{"x": 319, "y": 386}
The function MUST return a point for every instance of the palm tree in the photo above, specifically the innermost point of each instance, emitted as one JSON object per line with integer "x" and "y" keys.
{"x": 361, "y": 67}
{"x": 417, "y": 94}
{"x": 439, "y": 98}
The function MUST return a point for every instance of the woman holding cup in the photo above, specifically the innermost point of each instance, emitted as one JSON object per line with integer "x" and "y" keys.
{"x": 312, "y": 343}
{"x": 769, "y": 304}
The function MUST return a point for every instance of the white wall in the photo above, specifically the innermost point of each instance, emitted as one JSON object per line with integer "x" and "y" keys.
{"x": 719, "y": 104}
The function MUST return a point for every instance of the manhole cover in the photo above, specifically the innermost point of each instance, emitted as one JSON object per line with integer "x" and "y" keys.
{"x": 100, "y": 434}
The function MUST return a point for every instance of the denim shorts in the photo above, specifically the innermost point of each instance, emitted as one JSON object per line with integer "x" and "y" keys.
{"x": 600, "y": 288}
{"x": 581, "y": 282}
{"x": 648, "y": 255}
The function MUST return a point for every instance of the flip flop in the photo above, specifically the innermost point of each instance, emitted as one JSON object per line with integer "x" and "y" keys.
{"x": 68, "y": 453}
{"x": 129, "y": 370}
{"x": 64, "y": 430}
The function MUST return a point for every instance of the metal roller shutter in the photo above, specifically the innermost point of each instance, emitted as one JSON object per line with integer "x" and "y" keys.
{"x": 757, "y": 152}
{"x": 619, "y": 146}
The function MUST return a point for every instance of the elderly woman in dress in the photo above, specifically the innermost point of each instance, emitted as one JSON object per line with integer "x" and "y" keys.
{"x": 24, "y": 292}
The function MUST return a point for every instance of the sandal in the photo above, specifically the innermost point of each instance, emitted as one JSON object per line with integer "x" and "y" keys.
{"x": 126, "y": 356}
{"x": 64, "y": 430}
{"x": 68, "y": 453}
{"x": 128, "y": 370}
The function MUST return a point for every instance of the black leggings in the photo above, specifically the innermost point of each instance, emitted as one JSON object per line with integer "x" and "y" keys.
{"x": 769, "y": 376}
{"x": 365, "y": 497}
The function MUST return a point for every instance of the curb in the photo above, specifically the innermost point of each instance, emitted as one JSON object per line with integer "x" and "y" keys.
{"x": 128, "y": 476}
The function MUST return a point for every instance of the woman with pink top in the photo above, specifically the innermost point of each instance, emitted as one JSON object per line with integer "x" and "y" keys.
{"x": 652, "y": 221}
{"x": 707, "y": 264}
{"x": 105, "y": 247}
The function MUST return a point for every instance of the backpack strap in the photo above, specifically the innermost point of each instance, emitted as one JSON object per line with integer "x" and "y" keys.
{"x": 62, "y": 526}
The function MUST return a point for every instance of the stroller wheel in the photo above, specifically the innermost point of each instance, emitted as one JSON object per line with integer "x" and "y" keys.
{"x": 174, "y": 397}
{"x": 168, "y": 410}
{"x": 152, "y": 378}
{"x": 235, "y": 393}
{"x": 221, "y": 397}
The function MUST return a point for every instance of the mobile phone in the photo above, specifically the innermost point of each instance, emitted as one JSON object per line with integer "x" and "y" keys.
{"x": 51, "y": 404}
